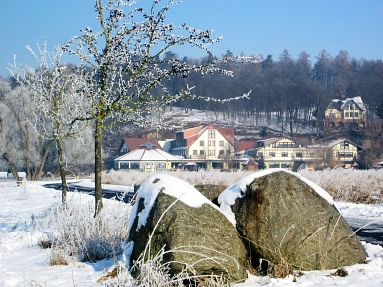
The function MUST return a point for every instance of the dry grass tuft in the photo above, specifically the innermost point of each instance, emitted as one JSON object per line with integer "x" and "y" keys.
{"x": 213, "y": 281}
{"x": 57, "y": 258}
{"x": 281, "y": 269}
{"x": 112, "y": 274}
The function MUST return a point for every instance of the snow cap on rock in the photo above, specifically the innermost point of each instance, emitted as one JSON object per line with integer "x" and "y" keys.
{"x": 238, "y": 190}
{"x": 170, "y": 185}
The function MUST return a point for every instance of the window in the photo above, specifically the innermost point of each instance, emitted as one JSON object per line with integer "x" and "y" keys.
{"x": 272, "y": 153}
{"x": 211, "y": 143}
{"x": 201, "y": 143}
{"x": 211, "y": 134}
{"x": 260, "y": 153}
{"x": 220, "y": 143}
{"x": 228, "y": 152}
{"x": 274, "y": 165}
{"x": 221, "y": 152}
{"x": 356, "y": 114}
{"x": 201, "y": 152}
{"x": 194, "y": 152}
{"x": 347, "y": 114}
{"x": 299, "y": 154}
{"x": 346, "y": 154}
{"x": 345, "y": 145}
{"x": 285, "y": 144}
{"x": 134, "y": 165}
{"x": 211, "y": 152}
{"x": 285, "y": 154}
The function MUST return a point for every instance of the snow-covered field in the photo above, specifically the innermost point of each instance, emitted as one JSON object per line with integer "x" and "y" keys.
{"x": 24, "y": 263}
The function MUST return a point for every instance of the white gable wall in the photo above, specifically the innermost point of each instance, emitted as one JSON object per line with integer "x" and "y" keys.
{"x": 124, "y": 148}
{"x": 210, "y": 147}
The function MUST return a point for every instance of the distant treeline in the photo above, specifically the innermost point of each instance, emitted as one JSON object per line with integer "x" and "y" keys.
{"x": 294, "y": 88}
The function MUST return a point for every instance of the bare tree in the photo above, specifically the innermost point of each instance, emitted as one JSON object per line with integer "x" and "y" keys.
{"x": 126, "y": 64}
{"x": 58, "y": 100}
{"x": 23, "y": 147}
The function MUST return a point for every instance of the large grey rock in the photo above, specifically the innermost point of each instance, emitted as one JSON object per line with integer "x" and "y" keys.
{"x": 210, "y": 191}
{"x": 197, "y": 235}
{"x": 282, "y": 216}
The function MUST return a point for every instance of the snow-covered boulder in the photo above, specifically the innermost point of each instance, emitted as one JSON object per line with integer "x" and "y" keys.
{"x": 171, "y": 214}
{"x": 283, "y": 215}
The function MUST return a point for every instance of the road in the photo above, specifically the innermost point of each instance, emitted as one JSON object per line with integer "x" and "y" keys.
{"x": 369, "y": 232}
{"x": 74, "y": 187}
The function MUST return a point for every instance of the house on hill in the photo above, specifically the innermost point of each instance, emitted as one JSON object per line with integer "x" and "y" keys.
{"x": 209, "y": 146}
{"x": 129, "y": 144}
{"x": 349, "y": 112}
{"x": 147, "y": 157}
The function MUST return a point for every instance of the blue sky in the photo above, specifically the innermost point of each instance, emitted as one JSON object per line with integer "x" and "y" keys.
{"x": 249, "y": 26}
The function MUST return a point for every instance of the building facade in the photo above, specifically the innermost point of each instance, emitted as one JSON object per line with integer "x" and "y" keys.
{"x": 281, "y": 152}
{"x": 349, "y": 113}
{"x": 147, "y": 157}
{"x": 209, "y": 146}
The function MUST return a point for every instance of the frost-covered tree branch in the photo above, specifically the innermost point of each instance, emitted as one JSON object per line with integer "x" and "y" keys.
{"x": 126, "y": 64}
{"x": 58, "y": 100}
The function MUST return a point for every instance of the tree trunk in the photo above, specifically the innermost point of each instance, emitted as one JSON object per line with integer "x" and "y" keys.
{"x": 98, "y": 166}
{"x": 62, "y": 173}
{"x": 38, "y": 170}
{"x": 12, "y": 166}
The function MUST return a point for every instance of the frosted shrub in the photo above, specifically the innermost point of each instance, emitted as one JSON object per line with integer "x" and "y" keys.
{"x": 130, "y": 177}
{"x": 76, "y": 233}
{"x": 362, "y": 186}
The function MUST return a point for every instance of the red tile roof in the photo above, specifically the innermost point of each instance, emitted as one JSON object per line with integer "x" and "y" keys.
{"x": 134, "y": 143}
{"x": 243, "y": 145}
{"x": 191, "y": 131}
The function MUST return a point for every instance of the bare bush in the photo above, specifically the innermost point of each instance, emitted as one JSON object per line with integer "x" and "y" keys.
{"x": 76, "y": 233}
{"x": 358, "y": 186}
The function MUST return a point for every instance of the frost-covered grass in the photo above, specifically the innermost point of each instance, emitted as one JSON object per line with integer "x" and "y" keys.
{"x": 357, "y": 186}
{"x": 74, "y": 234}
{"x": 216, "y": 177}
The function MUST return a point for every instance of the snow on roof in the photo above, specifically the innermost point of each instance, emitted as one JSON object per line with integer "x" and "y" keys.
{"x": 341, "y": 104}
{"x": 169, "y": 185}
{"x": 357, "y": 100}
{"x": 238, "y": 190}
{"x": 335, "y": 142}
{"x": 147, "y": 155}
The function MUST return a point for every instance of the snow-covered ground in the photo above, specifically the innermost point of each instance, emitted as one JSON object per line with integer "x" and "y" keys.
{"x": 24, "y": 263}
{"x": 176, "y": 115}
